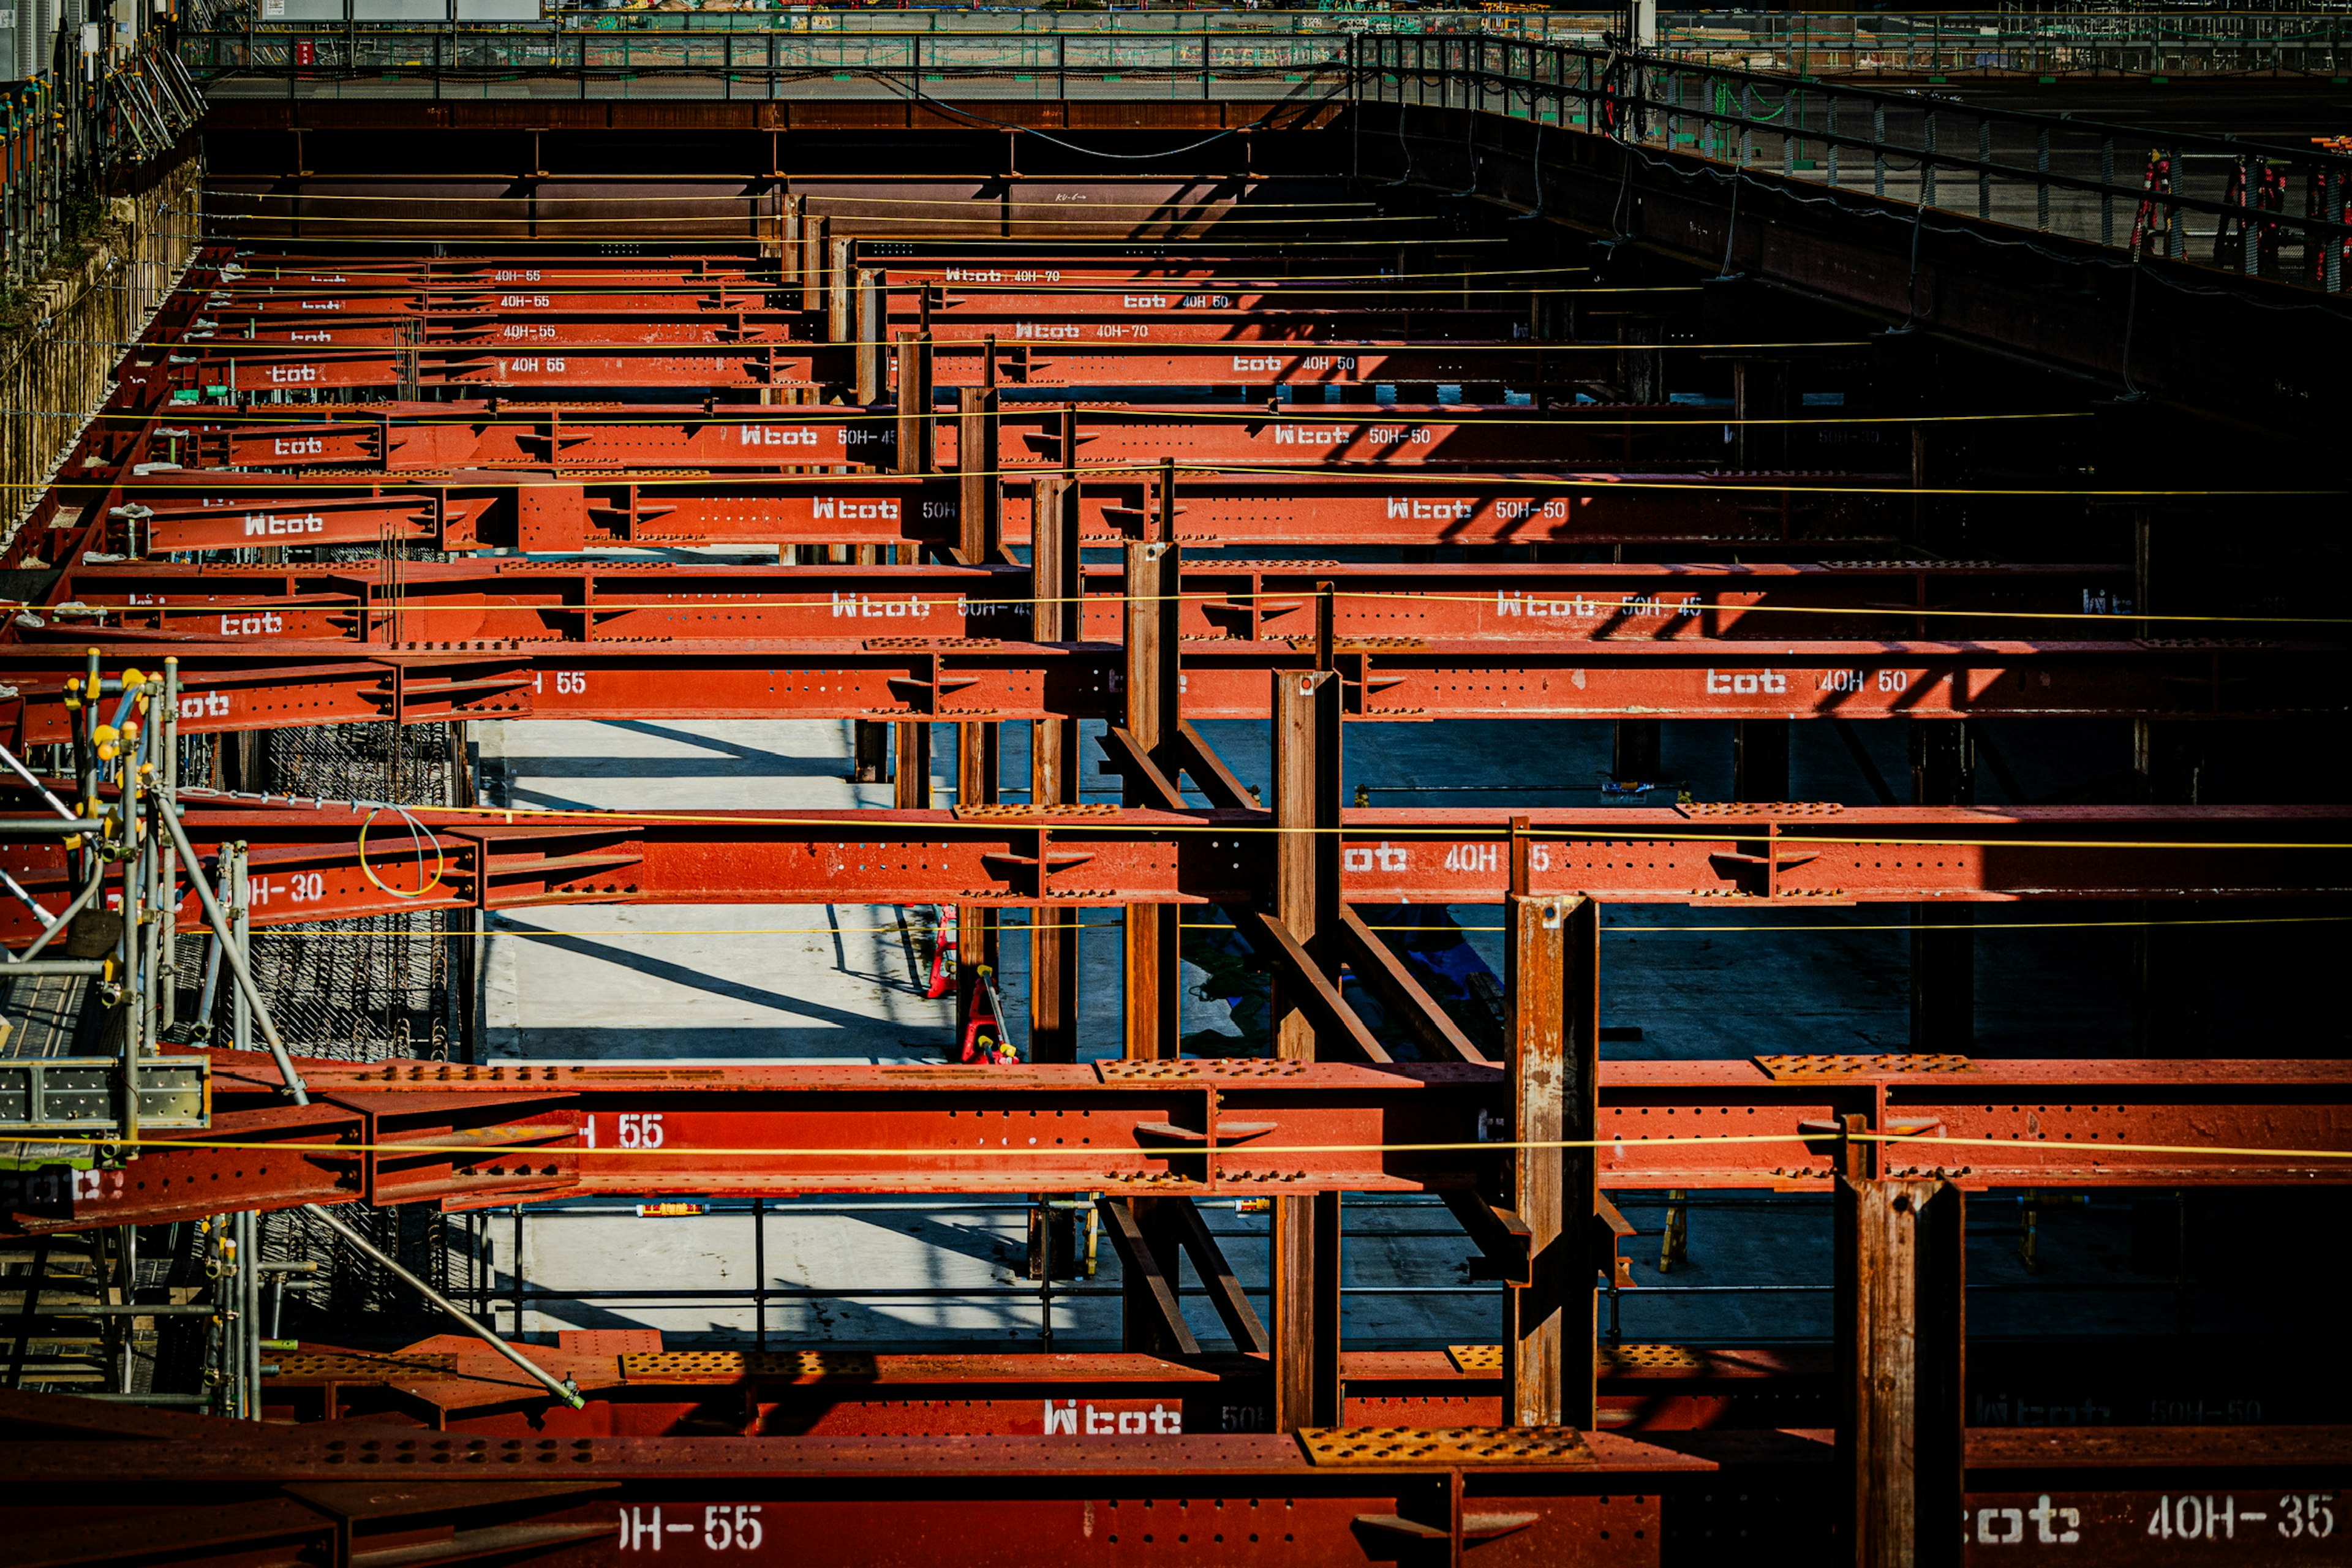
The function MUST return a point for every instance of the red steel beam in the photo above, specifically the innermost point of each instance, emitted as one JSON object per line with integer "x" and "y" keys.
{"x": 465, "y": 1135}
{"x": 267, "y": 367}
{"x": 877, "y": 670}
{"x": 308, "y": 863}
{"x": 472, "y": 434}
{"x": 589, "y": 323}
{"x": 483, "y": 509}
{"x": 103, "y": 1484}
{"x": 537, "y": 601}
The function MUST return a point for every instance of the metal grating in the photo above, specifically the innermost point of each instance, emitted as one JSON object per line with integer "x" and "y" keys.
{"x": 1818, "y": 1068}
{"x": 1348, "y": 1446}
{"x": 327, "y": 1368}
{"x": 737, "y": 1366}
{"x": 1120, "y": 1070}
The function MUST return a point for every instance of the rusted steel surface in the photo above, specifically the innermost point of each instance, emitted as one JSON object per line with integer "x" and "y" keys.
{"x": 308, "y": 858}
{"x": 539, "y": 601}
{"x": 458, "y": 1136}
{"x": 879, "y": 672}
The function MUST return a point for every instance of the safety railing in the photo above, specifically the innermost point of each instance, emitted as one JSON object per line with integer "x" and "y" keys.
{"x": 2011, "y": 43}
{"x": 64, "y": 130}
{"x": 768, "y": 65}
{"x": 2270, "y": 212}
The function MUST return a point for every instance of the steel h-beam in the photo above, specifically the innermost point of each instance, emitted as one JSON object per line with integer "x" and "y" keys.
{"x": 1141, "y": 749}
{"x": 1901, "y": 1338}
{"x": 1303, "y": 927}
{"x": 1054, "y": 762}
{"x": 1554, "y": 984}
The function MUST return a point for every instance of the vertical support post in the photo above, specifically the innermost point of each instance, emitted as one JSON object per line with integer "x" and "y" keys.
{"x": 1553, "y": 982}
{"x": 911, "y": 769}
{"x": 976, "y": 924}
{"x": 840, "y": 301}
{"x": 914, "y": 395}
{"x": 1901, "y": 1350}
{"x": 980, "y": 525}
{"x": 1055, "y": 616}
{"x": 817, "y": 249}
{"x": 1306, "y": 899}
{"x": 1307, "y": 803}
{"x": 1943, "y": 939}
{"x": 790, "y": 243}
{"x": 1150, "y": 693}
{"x": 872, "y": 330}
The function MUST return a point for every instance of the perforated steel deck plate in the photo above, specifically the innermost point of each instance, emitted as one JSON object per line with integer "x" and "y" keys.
{"x": 1608, "y": 1358}
{"x": 735, "y": 1366}
{"x": 1343, "y": 1445}
{"x": 304, "y": 1367}
{"x": 1801, "y": 1068}
{"x": 1124, "y": 1071}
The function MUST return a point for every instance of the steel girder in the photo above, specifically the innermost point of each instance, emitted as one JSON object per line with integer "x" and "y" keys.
{"x": 537, "y": 601}
{"x": 249, "y": 679}
{"x": 213, "y": 1492}
{"x": 308, "y": 863}
{"x": 466, "y": 1135}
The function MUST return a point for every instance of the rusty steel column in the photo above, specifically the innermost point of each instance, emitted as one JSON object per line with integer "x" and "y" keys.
{"x": 914, "y": 426}
{"x": 840, "y": 298}
{"x": 789, "y": 269}
{"x": 1554, "y": 962}
{"x": 980, "y": 519}
{"x": 1053, "y": 764}
{"x": 1152, "y": 714}
{"x": 1901, "y": 1340}
{"x": 1943, "y": 939}
{"x": 873, "y": 337}
{"x": 976, "y": 780}
{"x": 816, "y": 250}
{"x": 914, "y": 402}
{"x": 911, "y": 768}
{"x": 1305, "y": 900}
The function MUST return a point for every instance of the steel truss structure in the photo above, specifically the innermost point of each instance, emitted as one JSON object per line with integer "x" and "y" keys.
{"x": 932, "y": 569}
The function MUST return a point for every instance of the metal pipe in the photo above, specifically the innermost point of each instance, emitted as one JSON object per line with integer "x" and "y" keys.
{"x": 236, "y": 963}
{"x": 64, "y": 921}
{"x": 25, "y": 774}
{"x": 564, "y": 1391}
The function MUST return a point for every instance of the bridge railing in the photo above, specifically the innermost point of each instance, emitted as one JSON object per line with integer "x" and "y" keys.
{"x": 2275, "y": 211}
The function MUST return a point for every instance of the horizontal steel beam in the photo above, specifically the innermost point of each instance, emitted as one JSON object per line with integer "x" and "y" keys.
{"x": 308, "y": 863}
{"x": 267, "y": 367}
{"x": 891, "y": 666}
{"x": 209, "y": 1490}
{"x": 165, "y": 511}
{"x": 536, "y": 600}
{"x": 405, "y": 1132}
